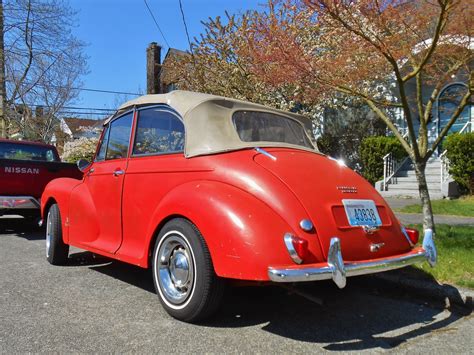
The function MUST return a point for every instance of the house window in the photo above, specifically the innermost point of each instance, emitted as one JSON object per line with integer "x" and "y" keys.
{"x": 448, "y": 101}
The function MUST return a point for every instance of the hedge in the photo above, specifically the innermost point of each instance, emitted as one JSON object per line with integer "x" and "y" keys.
{"x": 372, "y": 151}
{"x": 460, "y": 153}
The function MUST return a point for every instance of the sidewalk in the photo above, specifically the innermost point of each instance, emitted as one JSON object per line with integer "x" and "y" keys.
{"x": 414, "y": 218}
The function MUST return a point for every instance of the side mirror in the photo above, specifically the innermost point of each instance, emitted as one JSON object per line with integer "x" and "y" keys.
{"x": 83, "y": 164}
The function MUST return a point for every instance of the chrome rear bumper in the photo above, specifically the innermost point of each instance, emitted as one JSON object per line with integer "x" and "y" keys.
{"x": 18, "y": 202}
{"x": 338, "y": 270}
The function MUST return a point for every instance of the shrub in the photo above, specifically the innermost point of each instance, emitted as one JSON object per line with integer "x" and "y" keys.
{"x": 460, "y": 154}
{"x": 82, "y": 148}
{"x": 341, "y": 147}
{"x": 372, "y": 151}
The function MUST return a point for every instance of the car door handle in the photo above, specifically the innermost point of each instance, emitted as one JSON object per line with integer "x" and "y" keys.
{"x": 118, "y": 172}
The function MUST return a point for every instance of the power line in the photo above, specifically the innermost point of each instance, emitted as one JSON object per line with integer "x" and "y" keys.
{"x": 75, "y": 108}
{"x": 82, "y": 89}
{"x": 156, "y": 23}
{"x": 185, "y": 26}
{"x": 103, "y": 91}
{"x": 83, "y": 113}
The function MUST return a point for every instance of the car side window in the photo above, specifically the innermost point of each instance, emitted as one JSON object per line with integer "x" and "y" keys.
{"x": 103, "y": 146}
{"x": 119, "y": 137}
{"x": 158, "y": 132}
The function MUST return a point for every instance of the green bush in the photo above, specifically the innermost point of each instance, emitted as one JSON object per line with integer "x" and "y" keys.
{"x": 372, "y": 151}
{"x": 460, "y": 154}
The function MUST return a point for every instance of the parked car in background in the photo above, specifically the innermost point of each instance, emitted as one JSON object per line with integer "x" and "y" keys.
{"x": 25, "y": 169}
{"x": 205, "y": 189}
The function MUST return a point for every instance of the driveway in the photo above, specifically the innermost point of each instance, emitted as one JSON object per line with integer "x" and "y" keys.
{"x": 97, "y": 305}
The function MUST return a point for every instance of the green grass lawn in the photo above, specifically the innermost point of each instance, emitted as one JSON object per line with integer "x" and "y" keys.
{"x": 455, "y": 246}
{"x": 461, "y": 207}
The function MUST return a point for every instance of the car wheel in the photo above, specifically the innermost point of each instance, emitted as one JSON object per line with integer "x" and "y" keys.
{"x": 183, "y": 274}
{"x": 56, "y": 250}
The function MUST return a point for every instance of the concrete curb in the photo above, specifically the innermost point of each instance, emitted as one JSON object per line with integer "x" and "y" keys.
{"x": 430, "y": 288}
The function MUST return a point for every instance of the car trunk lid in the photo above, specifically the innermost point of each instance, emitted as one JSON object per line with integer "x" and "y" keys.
{"x": 321, "y": 185}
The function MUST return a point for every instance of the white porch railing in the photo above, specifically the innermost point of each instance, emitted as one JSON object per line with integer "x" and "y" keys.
{"x": 444, "y": 159}
{"x": 390, "y": 168}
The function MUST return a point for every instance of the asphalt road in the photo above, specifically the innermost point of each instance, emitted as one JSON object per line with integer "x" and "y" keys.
{"x": 97, "y": 305}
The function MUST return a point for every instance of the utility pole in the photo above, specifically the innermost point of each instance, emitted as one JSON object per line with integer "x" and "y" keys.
{"x": 3, "y": 125}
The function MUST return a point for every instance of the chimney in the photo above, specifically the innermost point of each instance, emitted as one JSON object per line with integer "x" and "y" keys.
{"x": 153, "y": 68}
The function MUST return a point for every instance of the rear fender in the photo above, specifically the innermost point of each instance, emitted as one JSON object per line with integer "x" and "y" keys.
{"x": 58, "y": 191}
{"x": 243, "y": 234}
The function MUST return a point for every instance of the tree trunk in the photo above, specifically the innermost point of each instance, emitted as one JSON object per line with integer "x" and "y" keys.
{"x": 428, "y": 221}
{"x": 3, "y": 123}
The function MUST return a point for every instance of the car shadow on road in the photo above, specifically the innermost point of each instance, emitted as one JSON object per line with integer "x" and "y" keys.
{"x": 130, "y": 274}
{"x": 356, "y": 318}
{"x": 24, "y": 228}
{"x": 364, "y": 315}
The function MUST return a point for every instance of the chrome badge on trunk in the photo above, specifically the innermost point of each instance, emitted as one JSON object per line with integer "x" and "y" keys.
{"x": 347, "y": 189}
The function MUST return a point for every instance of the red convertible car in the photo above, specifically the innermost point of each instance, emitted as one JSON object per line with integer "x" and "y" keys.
{"x": 204, "y": 189}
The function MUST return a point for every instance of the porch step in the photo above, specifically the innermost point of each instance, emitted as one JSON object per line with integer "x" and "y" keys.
{"x": 430, "y": 179}
{"x": 411, "y": 173}
{"x": 404, "y": 182}
{"x": 410, "y": 193}
{"x": 412, "y": 186}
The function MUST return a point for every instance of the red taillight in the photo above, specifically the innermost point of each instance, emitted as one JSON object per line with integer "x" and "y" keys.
{"x": 413, "y": 234}
{"x": 301, "y": 247}
{"x": 297, "y": 247}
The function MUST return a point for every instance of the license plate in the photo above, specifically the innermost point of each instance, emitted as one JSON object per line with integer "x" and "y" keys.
{"x": 362, "y": 213}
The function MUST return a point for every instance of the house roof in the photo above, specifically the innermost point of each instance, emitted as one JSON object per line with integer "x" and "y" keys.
{"x": 77, "y": 125}
{"x": 175, "y": 52}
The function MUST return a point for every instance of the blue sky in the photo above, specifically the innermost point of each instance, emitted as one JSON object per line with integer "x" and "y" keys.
{"x": 118, "y": 31}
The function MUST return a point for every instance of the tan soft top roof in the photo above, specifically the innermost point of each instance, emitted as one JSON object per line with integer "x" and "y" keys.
{"x": 208, "y": 121}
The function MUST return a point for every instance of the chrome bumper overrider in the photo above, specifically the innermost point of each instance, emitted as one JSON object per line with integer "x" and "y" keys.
{"x": 18, "y": 202}
{"x": 338, "y": 270}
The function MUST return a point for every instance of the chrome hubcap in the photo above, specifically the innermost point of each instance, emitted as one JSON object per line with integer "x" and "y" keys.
{"x": 49, "y": 228}
{"x": 175, "y": 269}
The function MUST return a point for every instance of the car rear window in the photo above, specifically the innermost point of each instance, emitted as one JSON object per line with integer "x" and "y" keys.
{"x": 27, "y": 152}
{"x": 256, "y": 126}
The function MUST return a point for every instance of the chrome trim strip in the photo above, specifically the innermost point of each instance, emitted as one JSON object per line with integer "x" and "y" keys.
{"x": 338, "y": 270}
{"x": 291, "y": 249}
{"x": 11, "y": 202}
{"x": 264, "y": 152}
{"x": 404, "y": 231}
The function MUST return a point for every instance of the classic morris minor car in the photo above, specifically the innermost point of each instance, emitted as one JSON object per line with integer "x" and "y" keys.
{"x": 204, "y": 189}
